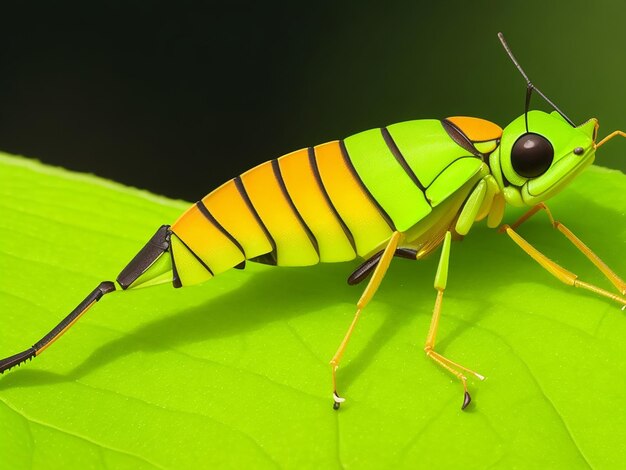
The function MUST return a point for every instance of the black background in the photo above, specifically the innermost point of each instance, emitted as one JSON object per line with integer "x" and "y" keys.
{"x": 177, "y": 97}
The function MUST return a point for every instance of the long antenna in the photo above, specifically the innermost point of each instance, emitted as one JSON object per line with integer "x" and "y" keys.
{"x": 529, "y": 86}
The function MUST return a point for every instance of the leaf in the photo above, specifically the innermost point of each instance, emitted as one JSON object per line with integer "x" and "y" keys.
{"x": 234, "y": 373}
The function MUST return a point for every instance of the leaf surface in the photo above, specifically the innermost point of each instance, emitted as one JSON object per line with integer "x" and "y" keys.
{"x": 234, "y": 373}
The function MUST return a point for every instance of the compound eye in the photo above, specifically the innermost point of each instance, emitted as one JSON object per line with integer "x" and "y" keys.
{"x": 531, "y": 155}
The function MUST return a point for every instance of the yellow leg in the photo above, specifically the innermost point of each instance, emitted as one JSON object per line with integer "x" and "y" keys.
{"x": 584, "y": 249}
{"x": 556, "y": 270}
{"x": 368, "y": 293}
{"x": 441, "y": 279}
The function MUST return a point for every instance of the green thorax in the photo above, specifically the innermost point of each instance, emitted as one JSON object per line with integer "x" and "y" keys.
{"x": 410, "y": 167}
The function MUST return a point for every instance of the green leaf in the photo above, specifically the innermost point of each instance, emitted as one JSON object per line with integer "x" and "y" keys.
{"x": 234, "y": 373}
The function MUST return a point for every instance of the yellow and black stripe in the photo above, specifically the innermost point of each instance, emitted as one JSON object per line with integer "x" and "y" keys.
{"x": 306, "y": 207}
{"x": 332, "y": 202}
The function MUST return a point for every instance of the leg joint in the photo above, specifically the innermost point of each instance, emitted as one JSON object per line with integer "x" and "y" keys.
{"x": 156, "y": 246}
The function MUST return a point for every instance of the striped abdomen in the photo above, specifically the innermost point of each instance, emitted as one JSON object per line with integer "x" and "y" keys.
{"x": 329, "y": 203}
{"x": 306, "y": 207}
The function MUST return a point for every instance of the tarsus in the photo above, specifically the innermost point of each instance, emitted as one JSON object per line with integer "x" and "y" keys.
{"x": 17, "y": 359}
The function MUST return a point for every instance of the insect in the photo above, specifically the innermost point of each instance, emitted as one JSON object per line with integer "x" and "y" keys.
{"x": 402, "y": 190}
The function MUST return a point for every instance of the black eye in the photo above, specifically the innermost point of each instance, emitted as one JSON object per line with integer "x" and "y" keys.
{"x": 531, "y": 155}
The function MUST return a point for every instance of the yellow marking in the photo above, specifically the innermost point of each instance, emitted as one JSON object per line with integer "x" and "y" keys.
{"x": 478, "y": 130}
{"x": 313, "y": 207}
{"x": 486, "y": 147}
{"x": 293, "y": 246}
{"x": 189, "y": 269}
{"x": 231, "y": 211}
{"x": 207, "y": 241}
{"x": 359, "y": 214}
{"x": 46, "y": 346}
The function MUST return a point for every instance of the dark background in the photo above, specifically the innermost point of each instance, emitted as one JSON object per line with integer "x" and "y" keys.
{"x": 177, "y": 97}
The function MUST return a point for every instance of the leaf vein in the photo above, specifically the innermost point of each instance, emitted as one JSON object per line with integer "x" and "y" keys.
{"x": 78, "y": 436}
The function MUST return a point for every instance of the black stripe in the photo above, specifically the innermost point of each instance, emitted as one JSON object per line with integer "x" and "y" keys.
{"x": 460, "y": 138}
{"x": 244, "y": 195}
{"x": 205, "y": 212}
{"x": 346, "y": 158}
{"x": 401, "y": 160}
{"x": 318, "y": 178}
{"x": 176, "y": 282}
{"x": 281, "y": 182}
{"x": 497, "y": 139}
{"x": 194, "y": 254}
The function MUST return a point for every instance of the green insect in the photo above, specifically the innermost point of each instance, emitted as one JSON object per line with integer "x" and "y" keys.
{"x": 402, "y": 190}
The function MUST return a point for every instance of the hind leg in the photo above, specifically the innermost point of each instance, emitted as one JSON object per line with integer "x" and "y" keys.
{"x": 368, "y": 293}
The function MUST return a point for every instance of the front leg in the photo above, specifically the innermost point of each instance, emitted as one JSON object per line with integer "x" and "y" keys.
{"x": 558, "y": 271}
{"x": 577, "y": 242}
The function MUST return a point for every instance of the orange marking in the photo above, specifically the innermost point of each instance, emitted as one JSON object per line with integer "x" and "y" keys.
{"x": 293, "y": 246}
{"x": 231, "y": 211}
{"x": 359, "y": 214}
{"x": 206, "y": 241}
{"x": 312, "y": 205}
{"x": 476, "y": 129}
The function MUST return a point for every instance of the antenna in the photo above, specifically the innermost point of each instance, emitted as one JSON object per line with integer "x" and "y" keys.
{"x": 529, "y": 86}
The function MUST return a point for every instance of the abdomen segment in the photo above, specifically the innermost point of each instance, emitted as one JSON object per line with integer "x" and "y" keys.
{"x": 303, "y": 208}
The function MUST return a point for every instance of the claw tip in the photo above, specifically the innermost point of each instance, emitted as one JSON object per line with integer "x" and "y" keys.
{"x": 467, "y": 399}
{"x": 337, "y": 401}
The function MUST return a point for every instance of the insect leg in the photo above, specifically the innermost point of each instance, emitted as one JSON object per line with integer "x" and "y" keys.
{"x": 441, "y": 279}
{"x": 156, "y": 246}
{"x": 578, "y": 243}
{"x": 366, "y": 268}
{"x": 557, "y": 270}
{"x": 17, "y": 359}
{"x": 368, "y": 293}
